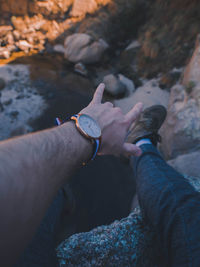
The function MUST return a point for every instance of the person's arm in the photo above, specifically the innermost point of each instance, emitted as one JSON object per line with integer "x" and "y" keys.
{"x": 34, "y": 167}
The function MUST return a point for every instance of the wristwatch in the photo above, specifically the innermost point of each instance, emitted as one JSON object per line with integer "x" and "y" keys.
{"x": 88, "y": 128}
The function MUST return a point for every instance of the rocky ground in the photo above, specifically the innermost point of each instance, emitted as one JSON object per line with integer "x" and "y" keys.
{"x": 59, "y": 50}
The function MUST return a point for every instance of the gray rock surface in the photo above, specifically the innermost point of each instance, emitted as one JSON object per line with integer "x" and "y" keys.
{"x": 188, "y": 164}
{"x": 20, "y": 103}
{"x": 80, "y": 47}
{"x": 181, "y": 130}
{"x": 113, "y": 85}
{"x": 149, "y": 94}
{"x": 123, "y": 243}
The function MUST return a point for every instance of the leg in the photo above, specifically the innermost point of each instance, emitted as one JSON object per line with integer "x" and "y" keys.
{"x": 41, "y": 251}
{"x": 171, "y": 205}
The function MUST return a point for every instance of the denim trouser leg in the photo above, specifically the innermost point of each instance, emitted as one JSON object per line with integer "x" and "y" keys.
{"x": 41, "y": 251}
{"x": 171, "y": 205}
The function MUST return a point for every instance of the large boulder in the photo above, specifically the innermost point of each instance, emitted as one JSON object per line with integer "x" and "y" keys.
{"x": 149, "y": 94}
{"x": 187, "y": 164}
{"x": 80, "y": 47}
{"x": 181, "y": 130}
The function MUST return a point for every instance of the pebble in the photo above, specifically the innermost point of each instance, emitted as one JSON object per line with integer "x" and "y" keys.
{"x": 80, "y": 68}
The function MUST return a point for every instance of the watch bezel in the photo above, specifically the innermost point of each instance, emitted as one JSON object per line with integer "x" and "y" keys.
{"x": 78, "y": 125}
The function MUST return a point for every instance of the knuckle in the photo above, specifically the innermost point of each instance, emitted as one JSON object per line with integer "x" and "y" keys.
{"x": 108, "y": 104}
{"x": 118, "y": 110}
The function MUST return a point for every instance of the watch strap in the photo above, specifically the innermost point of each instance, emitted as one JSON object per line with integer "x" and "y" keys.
{"x": 95, "y": 142}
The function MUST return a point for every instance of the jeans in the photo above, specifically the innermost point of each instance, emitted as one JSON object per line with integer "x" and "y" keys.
{"x": 41, "y": 251}
{"x": 171, "y": 206}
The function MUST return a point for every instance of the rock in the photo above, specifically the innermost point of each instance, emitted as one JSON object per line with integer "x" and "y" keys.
{"x": 19, "y": 24}
{"x": 148, "y": 94}
{"x": 181, "y": 130}
{"x": 52, "y": 8}
{"x": 59, "y": 48}
{"x": 24, "y": 45}
{"x": 80, "y": 47}
{"x": 10, "y": 39}
{"x": 4, "y": 53}
{"x": 168, "y": 80}
{"x": 7, "y": 102}
{"x": 16, "y": 35}
{"x": 20, "y": 96}
{"x": 187, "y": 164}
{"x": 12, "y": 48}
{"x": 2, "y": 84}
{"x": 4, "y": 30}
{"x": 14, "y": 113}
{"x": 128, "y": 83}
{"x": 82, "y": 7}
{"x": 133, "y": 45}
{"x": 192, "y": 71}
{"x": 80, "y": 68}
{"x": 113, "y": 85}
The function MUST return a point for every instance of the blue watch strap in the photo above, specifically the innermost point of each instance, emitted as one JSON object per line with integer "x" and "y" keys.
{"x": 96, "y": 142}
{"x": 96, "y": 148}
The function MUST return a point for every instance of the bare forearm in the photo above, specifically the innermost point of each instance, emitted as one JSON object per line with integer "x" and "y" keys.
{"x": 32, "y": 170}
{"x": 34, "y": 167}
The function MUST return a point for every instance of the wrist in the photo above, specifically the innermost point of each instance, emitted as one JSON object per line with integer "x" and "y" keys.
{"x": 82, "y": 147}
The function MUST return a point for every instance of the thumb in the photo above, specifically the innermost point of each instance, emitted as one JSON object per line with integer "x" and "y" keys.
{"x": 131, "y": 150}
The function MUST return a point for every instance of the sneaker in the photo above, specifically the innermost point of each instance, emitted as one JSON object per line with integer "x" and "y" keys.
{"x": 148, "y": 125}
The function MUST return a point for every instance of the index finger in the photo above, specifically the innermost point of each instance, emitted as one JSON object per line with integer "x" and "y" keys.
{"x": 98, "y": 95}
{"x": 134, "y": 113}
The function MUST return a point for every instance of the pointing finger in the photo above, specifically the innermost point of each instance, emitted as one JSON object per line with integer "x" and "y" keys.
{"x": 134, "y": 113}
{"x": 98, "y": 95}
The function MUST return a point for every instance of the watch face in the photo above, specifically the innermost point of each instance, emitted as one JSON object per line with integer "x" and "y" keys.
{"x": 89, "y": 126}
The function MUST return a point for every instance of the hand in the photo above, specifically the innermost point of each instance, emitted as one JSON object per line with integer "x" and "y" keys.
{"x": 114, "y": 125}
